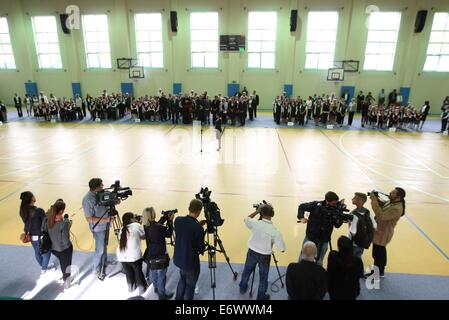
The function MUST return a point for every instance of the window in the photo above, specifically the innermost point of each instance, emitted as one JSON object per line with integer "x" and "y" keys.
{"x": 204, "y": 39}
{"x": 383, "y": 32}
{"x": 47, "y": 44}
{"x": 262, "y": 39}
{"x": 149, "y": 39}
{"x": 321, "y": 38}
{"x": 6, "y": 56}
{"x": 96, "y": 41}
{"x": 438, "y": 49}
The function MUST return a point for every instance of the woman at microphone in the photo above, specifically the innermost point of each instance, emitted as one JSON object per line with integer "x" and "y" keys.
{"x": 58, "y": 226}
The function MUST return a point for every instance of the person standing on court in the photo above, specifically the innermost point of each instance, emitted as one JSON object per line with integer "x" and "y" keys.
{"x": 188, "y": 246}
{"x": 32, "y": 218}
{"x": 99, "y": 223}
{"x": 218, "y": 131}
{"x": 260, "y": 248}
{"x": 18, "y": 105}
{"x": 387, "y": 215}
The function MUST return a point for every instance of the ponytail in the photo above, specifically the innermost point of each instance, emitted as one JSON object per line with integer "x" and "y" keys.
{"x": 126, "y": 219}
{"x": 55, "y": 209}
{"x": 401, "y": 193}
{"x": 25, "y": 204}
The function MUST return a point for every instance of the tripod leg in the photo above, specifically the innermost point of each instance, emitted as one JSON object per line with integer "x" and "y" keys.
{"x": 252, "y": 284}
{"x": 223, "y": 251}
{"x": 277, "y": 268}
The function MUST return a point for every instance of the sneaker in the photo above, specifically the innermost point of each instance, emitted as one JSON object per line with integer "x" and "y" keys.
{"x": 382, "y": 275}
{"x": 243, "y": 290}
{"x": 197, "y": 290}
{"x": 51, "y": 266}
{"x": 166, "y": 296}
{"x": 100, "y": 276}
{"x": 67, "y": 284}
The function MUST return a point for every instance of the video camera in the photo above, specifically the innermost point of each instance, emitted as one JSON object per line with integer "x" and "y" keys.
{"x": 335, "y": 214}
{"x": 168, "y": 213}
{"x": 257, "y": 205}
{"x": 211, "y": 210}
{"x": 109, "y": 197}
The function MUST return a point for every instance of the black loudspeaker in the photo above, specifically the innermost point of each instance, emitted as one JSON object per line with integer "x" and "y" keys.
{"x": 174, "y": 21}
{"x": 420, "y": 20}
{"x": 63, "y": 17}
{"x": 293, "y": 20}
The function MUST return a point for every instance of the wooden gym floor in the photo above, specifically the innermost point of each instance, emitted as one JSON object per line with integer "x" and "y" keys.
{"x": 165, "y": 168}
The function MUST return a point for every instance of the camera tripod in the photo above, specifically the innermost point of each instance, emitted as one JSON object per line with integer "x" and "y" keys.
{"x": 279, "y": 273}
{"x": 212, "y": 258}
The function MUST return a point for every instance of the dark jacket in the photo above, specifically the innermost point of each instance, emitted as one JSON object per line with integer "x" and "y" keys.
{"x": 155, "y": 235}
{"x": 319, "y": 226}
{"x": 189, "y": 243}
{"x": 35, "y": 216}
{"x": 306, "y": 281}
{"x": 343, "y": 278}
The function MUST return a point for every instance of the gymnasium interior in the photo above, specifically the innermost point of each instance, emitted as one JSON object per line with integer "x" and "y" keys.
{"x": 282, "y": 51}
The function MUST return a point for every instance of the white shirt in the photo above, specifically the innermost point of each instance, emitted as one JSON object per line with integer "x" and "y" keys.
{"x": 355, "y": 219}
{"x": 263, "y": 235}
{"x": 133, "y": 251}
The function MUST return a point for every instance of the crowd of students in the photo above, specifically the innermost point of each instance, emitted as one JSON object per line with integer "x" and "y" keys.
{"x": 330, "y": 109}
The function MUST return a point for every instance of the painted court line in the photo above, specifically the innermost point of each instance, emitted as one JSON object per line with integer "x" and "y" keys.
{"x": 347, "y": 154}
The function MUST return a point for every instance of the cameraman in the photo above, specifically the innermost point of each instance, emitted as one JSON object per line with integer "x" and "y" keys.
{"x": 387, "y": 215}
{"x": 319, "y": 224}
{"x": 189, "y": 245}
{"x": 263, "y": 235}
{"x": 97, "y": 214}
{"x": 156, "y": 255}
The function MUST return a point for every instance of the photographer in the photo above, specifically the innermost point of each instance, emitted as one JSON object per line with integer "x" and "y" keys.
{"x": 189, "y": 245}
{"x": 319, "y": 222}
{"x": 263, "y": 235}
{"x": 129, "y": 252}
{"x": 58, "y": 228}
{"x": 387, "y": 215}
{"x": 156, "y": 254}
{"x": 362, "y": 226}
{"x": 97, "y": 214}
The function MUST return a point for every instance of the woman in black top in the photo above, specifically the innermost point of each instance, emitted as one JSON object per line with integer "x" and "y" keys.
{"x": 32, "y": 218}
{"x": 344, "y": 272}
{"x": 155, "y": 234}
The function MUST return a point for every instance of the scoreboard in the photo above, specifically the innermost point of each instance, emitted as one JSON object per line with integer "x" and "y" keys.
{"x": 232, "y": 43}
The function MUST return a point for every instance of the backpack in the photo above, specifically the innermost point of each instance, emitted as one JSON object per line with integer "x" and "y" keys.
{"x": 365, "y": 230}
{"x": 44, "y": 240}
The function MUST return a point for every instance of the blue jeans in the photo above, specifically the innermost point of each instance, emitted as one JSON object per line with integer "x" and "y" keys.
{"x": 43, "y": 259}
{"x": 186, "y": 284}
{"x": 158, "y": 278}
{"x": 253, "y": 259}
{"x": 321, "y": 253}
{"x": 101, "y": 250}
{"x": 357, "y": 251}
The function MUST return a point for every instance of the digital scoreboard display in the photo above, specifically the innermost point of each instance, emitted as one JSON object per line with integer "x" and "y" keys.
{"x": 232, "y": 43}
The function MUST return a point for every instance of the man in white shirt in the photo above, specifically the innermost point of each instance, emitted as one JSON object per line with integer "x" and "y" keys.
{"x": 263, "y": 235}
{"x": 361, "y": 238}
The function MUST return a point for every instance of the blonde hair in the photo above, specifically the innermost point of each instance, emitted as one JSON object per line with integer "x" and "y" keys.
{"x": 148, "y": 215}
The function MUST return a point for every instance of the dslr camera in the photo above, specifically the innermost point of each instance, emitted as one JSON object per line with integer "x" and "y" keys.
{"x": 257, "y": 205}
{"x": 109, "y": 197}
{"x": 211, "y": 210}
